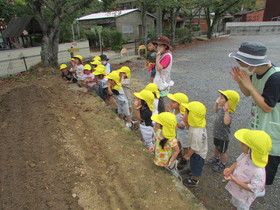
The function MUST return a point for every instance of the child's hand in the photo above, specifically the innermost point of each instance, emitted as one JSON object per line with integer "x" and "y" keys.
{"x": 181, "y": 126}
{"x": 169, "y": 163}
{"x": 186, "y": 157}
{"x": 226, "y": 107}
{"x": 228, "y": 178}
{"x": 227, "y": 171}
{"x": 217, "y": 100}
{"x": 185, "y": 118}
{"x": 152, "y": 148}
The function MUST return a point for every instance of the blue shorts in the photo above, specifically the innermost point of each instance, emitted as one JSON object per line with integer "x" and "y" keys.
{"x": 153, "y": 72}
{"x": 196, "y": 164}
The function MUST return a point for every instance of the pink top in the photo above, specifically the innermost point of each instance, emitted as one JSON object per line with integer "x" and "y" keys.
{"x": 165, "y": 61}
{"x": 250, "y": 174}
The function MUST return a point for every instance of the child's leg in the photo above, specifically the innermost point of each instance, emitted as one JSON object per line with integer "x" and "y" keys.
{"x": 196, "y": 166}
{"x": 222, "y": 148}
{"x": 186, "y": 150}
{"x": 216, "y": 153}
{"x": 223, "y": 158}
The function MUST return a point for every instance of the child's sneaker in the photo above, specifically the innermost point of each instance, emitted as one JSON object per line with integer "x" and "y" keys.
{"x": 260, "y": 194}
{"x": 128, "y": 124}
{"x": 190, "y": 182}
{"x": 213, "y": 161}
{"x": 219, "y": 167}
{"x": 181, "y": 165}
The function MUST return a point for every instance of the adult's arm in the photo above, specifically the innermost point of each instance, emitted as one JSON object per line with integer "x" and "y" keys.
{"x": 249, "y": 88}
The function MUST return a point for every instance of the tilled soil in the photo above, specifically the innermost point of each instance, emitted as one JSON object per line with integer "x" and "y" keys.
{"x": 61, "y": 148}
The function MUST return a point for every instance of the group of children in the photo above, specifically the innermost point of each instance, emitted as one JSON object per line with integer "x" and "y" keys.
{"x": 178, "y": 136}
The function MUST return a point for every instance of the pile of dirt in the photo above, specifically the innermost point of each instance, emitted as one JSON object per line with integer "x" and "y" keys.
{"x": 61, "y": 148}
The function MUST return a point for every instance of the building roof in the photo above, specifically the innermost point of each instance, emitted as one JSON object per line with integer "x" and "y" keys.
{"x": 18, "y": 25}
{"x": 112, "y": 14}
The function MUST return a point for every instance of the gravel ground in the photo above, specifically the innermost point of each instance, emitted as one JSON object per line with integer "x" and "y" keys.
{"x": 199, "y": 71}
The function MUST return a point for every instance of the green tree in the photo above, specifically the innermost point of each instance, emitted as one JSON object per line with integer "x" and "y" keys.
{"x": 50, "y": 14}
{"x": 215, "y": 9}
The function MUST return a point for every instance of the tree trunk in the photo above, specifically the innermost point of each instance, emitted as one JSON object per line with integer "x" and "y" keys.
{"x": 50, "y": 43}
{"x": 144, "y": 35}
{"x": 173, "y": 15}
{"x": 159, "y": 22}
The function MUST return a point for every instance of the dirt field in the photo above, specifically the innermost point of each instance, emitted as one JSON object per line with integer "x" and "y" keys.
{"x": 61, "y": 148}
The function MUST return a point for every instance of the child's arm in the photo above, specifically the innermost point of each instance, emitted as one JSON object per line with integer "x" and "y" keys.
{"x": 138, "y": 116}
{"x": 181, "y": 126}
{"x": 152, "y": 148}
{"x": 146, "y": 64}
{"x": 189, "y": 154}
{"x": 241, "y": 184}
{"x": 227, "y": 119}
{"x": 176, "y": 151}
{"x": 229, "y": 170}
{"x": 110, "y": 92}
{"x": 216, "y": 105}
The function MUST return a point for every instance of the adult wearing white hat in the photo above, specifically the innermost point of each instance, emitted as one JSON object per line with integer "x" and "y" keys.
{"x": 258, "y": 78}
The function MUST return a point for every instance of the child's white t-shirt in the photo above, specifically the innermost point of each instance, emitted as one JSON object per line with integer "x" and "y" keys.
{"x": 80, "y": 72}
{"x": 197, "y": 138}
{"x": 155, "y": 105}
{"x": 103, "y": 82}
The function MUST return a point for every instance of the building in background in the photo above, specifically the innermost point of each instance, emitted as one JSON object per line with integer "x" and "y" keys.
{"x": 272, "y": 10}
{"x": 128, "y": 21}
{"x": 23, "y": 32}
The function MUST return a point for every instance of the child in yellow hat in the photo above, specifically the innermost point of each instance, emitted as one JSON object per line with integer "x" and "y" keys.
{"x": 247, "y": 175}
{"x": 175, "y": 106}
{"x": 88, "y": 78}
{"x": 144, "y": 107}
{"x": 101, "y": 86}
{"x": 197, "y": 138}
{"x": 224, "y": 109}
{"x": 79, "y": 69}
{"x": 125, "y": 76}
{"x": 73, "y": 64}
{"x": 95, "y": 63}
{"x": 66, "y": 75}
{"x": 153, "y": 88}
{"x": 115, "y": 89}
{"x": 166, "y": 147}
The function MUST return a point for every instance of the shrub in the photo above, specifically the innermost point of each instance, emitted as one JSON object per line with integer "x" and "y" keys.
{"x": 110, "y": 39}
{"x": 196, "y": 28}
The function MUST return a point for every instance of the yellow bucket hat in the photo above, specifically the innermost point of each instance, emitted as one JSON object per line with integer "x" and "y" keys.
{"x": 233, "y": 98}
{"x": 259, "y": 142}
{"x": 126, "y": 70}
{"x": 168, "y": 122}
{"x": 196, "y": 115}
{"x": 95, "y": 62}
{"x": 87, "y": 67}
{"x": 179, "y": 98}
{"x": 72, "y": 59}
{"x": 63, "y": 66}
{"x": 100, "y": 70}
{"x": 152, "y": 87}
{"x": 97, "y": 58}
{"x": 114, "y": 75}
{"x": 79, "y": 57}
{"x": 146, "y": 96}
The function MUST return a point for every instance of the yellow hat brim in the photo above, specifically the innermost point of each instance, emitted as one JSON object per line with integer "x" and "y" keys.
{"x": 150, "y": 105}
{"x": 259, "y": 159}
